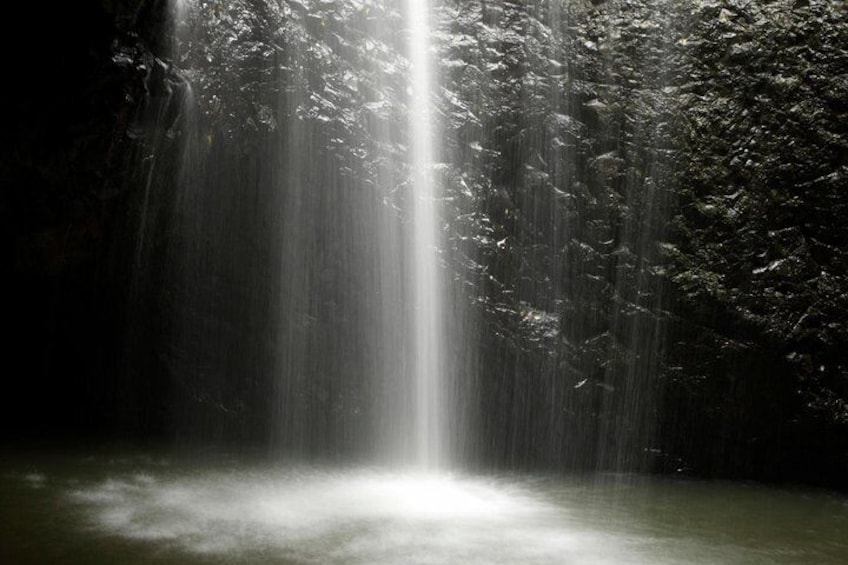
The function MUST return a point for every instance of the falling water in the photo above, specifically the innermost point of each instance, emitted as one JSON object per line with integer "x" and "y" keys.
{"x": 307, "y": 281}
{"x": 304, "y": 259}
{"x": 426, "y": 292}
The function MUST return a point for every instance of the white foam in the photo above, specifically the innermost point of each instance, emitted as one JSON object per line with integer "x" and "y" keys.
{"x": 356, "y": 517}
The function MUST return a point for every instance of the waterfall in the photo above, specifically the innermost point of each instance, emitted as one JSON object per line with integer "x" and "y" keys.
{"x": 310, "y": 255}
{"x": 427, "y": 360}
{"x": 306, "y": 286}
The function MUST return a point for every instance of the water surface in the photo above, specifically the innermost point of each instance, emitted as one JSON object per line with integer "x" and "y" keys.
{"x": 143, "y": 509}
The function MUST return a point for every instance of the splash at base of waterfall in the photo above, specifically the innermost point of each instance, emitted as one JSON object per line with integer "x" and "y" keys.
{"x": 361, "y": 516}
{"x": 141, "y": 510}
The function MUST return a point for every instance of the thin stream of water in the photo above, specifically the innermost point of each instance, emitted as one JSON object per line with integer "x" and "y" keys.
{"x": 428, "y": 357}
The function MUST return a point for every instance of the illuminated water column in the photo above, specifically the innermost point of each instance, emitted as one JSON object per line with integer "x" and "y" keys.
{"x": 427, "y": 355}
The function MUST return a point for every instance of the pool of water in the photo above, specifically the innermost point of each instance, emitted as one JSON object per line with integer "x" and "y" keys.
{"x": 143, "y": 509}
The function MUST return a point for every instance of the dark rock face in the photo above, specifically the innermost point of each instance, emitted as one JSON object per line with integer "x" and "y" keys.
{"x": 653, "y": 216}
{"x": 757, "y": 378}
{"x": 75, "y": 149}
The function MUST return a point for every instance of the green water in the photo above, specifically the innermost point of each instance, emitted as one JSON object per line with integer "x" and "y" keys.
{"x": 73, "y": 509}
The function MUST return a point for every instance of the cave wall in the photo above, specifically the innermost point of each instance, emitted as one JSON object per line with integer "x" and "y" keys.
{"x": 756, "y": 377}
{"x": 75, "y": 149}
{"x": 652, "y": 232}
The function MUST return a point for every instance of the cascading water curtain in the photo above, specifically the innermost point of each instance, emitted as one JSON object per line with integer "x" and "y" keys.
{"x": 306, "y": 285}
{"x": 318, "y": 286}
